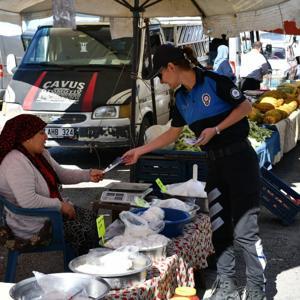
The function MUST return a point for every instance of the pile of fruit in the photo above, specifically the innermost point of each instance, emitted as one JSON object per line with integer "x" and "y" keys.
{"x": 276, "y": 105}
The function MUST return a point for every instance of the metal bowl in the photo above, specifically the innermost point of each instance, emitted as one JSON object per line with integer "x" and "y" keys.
{"x": 28, "y": 289}
{"x": 117, "y": 280}
{"x": 194, "y": 211}
{"x": 155, "y": 253}
{"x": 201, "y": 202}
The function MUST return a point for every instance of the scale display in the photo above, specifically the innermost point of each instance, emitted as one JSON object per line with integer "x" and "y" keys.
{"x": 125, "y": 193}
{"x": 115, "y": 197}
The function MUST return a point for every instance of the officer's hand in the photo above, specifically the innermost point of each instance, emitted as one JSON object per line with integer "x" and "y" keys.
{"x": 206, "y": 135}
{"x": 131, "y": 156}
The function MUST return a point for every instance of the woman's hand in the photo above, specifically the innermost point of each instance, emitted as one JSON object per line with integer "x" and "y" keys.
{"x": 96, "y": 175}
{"x": 131, "y": 157}
{"x": 68, "y": 210}
{"x": 206, "y": 135}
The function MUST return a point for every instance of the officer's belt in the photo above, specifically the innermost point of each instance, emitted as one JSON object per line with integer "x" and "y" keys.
{"x": 228, "y": 150}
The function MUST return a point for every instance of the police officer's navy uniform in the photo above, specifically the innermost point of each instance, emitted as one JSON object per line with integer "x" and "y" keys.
{"x": 233, "y": 184}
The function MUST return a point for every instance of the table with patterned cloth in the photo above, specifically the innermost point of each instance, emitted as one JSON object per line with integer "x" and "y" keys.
{"x": 186, "y": 253}
{"x": 196, "y": 244}
{"x": 162, "y": 279}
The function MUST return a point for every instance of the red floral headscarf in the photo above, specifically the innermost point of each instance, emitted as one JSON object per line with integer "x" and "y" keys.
{"x": 17, "y": 130}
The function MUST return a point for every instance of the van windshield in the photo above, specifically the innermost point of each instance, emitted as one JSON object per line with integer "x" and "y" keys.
{"x": 88, "y": 45}
{"x": 277, "y": 53}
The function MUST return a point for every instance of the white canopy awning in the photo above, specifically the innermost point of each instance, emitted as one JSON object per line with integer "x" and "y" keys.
{"x": 220, "y": 16}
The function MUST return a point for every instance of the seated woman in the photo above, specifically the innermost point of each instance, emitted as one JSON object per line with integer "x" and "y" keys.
{"x": 31, "y": 178}
{"x": 222, "y": 65}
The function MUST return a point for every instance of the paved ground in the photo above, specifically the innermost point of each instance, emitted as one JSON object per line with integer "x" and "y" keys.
{"x": 281, "y": 243}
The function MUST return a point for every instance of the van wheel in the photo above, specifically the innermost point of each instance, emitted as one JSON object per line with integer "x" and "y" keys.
{"x": 144, "y": 126}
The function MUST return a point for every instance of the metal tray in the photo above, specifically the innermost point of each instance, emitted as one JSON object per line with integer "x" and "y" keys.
{"x": 28, "y": 289}
{"x": 201, "y": 202}
{"x": 129, "y": 187}
{"x": 155, "y": 253}
{"x": 118, "y": 280}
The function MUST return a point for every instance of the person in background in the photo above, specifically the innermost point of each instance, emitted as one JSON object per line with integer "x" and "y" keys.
{"x": 222, "y": 65}
{"x": 213, "y": 107}
{"x": 31, "y": 178}
{"x": 254, "y": 66}
{"x": 213, "y": 48}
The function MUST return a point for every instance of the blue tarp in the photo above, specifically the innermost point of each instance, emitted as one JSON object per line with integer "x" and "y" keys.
{"x": 267, "y": 150}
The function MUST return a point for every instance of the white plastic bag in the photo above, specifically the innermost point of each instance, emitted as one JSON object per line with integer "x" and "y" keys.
{"x": 134, "y": 225}
{"x": 53, "y": 290}
{"x": 155, "y": 131}
{"x": 154, "y": 216}
{"x": 149, "y": 241}
{"x": 114, "y": 229}
{"x": 173, "y": 203}
{"x": 113, "y": 262}
{"x": 190, "y": 188}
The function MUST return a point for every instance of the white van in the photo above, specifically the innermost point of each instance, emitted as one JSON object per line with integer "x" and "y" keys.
{"x": 277, "y": 49}
{"x": 79, "y": 82}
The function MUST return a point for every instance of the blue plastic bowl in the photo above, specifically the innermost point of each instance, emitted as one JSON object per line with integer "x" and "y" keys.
{"x": 175, "y": 220}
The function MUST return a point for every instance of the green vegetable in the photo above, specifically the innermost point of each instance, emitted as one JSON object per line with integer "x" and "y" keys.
{"x": 258, "y": 133}
{"x": 180, "y": 143}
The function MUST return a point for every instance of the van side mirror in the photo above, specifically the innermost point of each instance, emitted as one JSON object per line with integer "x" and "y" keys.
{"x": 11, "y": 63}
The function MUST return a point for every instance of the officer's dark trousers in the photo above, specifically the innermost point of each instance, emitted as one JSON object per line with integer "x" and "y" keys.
{"x": 233, "y": 188}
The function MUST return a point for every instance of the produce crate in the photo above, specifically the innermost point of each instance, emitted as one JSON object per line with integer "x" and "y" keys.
{"x": 170, "y": 166}
{"x": 278, "y": 197}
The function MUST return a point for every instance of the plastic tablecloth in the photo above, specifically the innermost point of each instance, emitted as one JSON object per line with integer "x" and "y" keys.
{"x": 187, "y": 252}
{"x": 289, "y": 132}
{"x": 196, "y": 244}
{"x": 268, "y": 150}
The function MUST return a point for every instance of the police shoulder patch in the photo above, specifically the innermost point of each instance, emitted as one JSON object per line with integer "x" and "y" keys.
{"x": 235, "y": 93}
{"x": 206, "y": 99}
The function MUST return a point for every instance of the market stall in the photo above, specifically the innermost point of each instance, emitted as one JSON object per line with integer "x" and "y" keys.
{"x": 279, "y": 110}
{"x": 186, "y": 253}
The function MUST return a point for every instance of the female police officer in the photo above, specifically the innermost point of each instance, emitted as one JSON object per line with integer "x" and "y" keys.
{"x": 212, "y": 106}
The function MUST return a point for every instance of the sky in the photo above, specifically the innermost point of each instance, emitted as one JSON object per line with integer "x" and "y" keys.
{"x": 8, "y": 29}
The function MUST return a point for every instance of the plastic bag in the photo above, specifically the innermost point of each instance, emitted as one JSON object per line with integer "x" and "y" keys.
{"x": 150, "y": 241}
{"x": 155, "y": 131}
{"x": 154, "y": 216}
{"x": 104, "y": 261}
{"x": 190, "y": 188}
{"x": 173, "y": 203}
{"x": 134, "y": 225}
{"x": 121, "y": 259}
{"x": 53, "y": 289}
{"x": 114, "y": 229}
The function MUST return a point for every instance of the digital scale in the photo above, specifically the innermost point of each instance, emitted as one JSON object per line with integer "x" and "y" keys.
{"x": 125, "y": 192}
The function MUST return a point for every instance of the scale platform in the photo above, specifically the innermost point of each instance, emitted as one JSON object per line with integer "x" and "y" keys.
{"x": 125, "y": 192}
